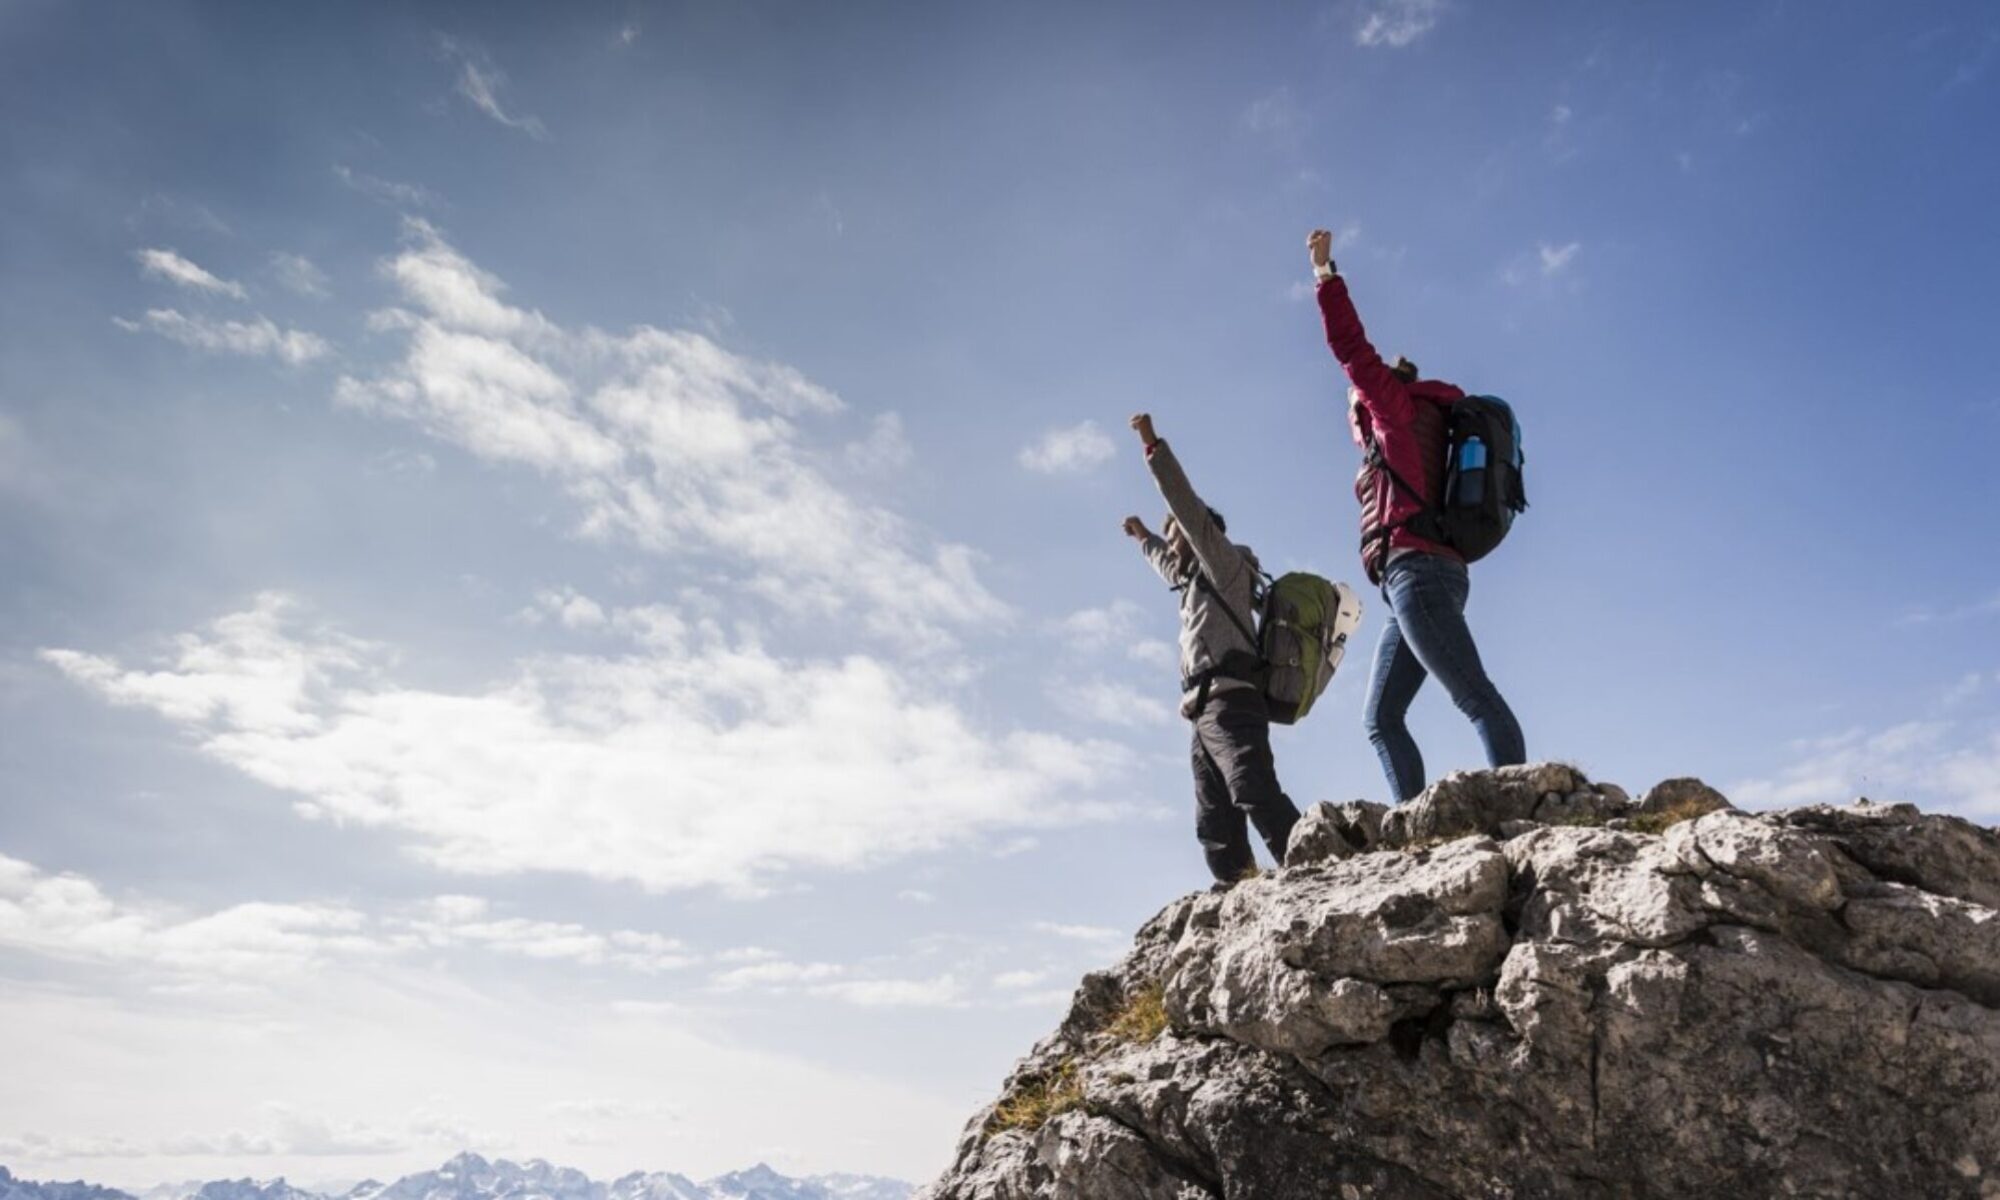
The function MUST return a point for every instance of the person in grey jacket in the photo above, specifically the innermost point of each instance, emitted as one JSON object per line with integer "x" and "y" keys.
{"x": 1235, "y": 780}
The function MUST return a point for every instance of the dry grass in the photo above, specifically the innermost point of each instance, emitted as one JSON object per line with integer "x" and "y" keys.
{"x": 1037, "y": 1099}
{"x": 1143, "y": 1018}
{"x": 1659, "y": 822}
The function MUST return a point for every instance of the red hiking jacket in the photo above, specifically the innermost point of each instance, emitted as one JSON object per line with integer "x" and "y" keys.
{"x": 1407, "y": 422}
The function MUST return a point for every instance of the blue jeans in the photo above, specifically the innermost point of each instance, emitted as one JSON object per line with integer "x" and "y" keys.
{"x": 1426, "y": 635}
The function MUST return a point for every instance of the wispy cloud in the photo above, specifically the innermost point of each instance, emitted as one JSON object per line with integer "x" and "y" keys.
{"x": 181, "y": 272}
{"x": 835, "y": 981}
{"x": 1398, "y": 23}
{"x": 685, "y": 760}
{"x": 260, "y": 338}
{"x": 297, "y": 274}
{"x": 287, "y": 1131}
{"x": 1548, "y": 262}
{"x": 1070, "y": 450}
{"x": 480, "y": 81}
{"x": 469, "y": 920}
{"x": 886, "y": 448}
{"x": 1078, "y": 933}
{"x": 665, "y": 438}
{"x": 1094, "y": 629}
{"x": 1111, "y": 703}
{"x": 68, "y": 917}
{"x": 1930, "y": 615}
{"x": 1278, "y": 116}
{"x": 162, "y": 209}
{"x": 1556, "y": 259}
{"x": 386, "y": 191}
{"x": 1949, "y": 757}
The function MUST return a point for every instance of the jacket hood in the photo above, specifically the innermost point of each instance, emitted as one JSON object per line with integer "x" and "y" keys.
{"x": 1436, "y": 389}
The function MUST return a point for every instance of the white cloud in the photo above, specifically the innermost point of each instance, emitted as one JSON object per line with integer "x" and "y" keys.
{"x": 1079, "y": 933}
{"x": 1556, "y": 259}
{"x": 942, "y": 992}
{"x": 1547, "y": 262}
{"x": 288, "y": 1132}
{"x": 298, "y": 274}
{"x": 68, "y": 918}
{"x": 666, "y": 439}
{"x": 836, "y": 982}
{"x": 1070, "y": 450}
{"x": 1017, "y": 980}
{"x": 1094, "y": 629}
{"x": 1115, "y": 626}
{"x": 1115, "y": 703}
{"x": 479, "y": 81}
{"x": 1952, "y": 764}
{"x": 691, "y": 761}
{"x": 778, "y": 975}
{"x": 386, "y": 191}
{"x": 167, "y": 265}
{"x": 1398, "y": 23}
{"x": 572, "y": 609}
{"x": 885, "y": 449}
{"x": 467, "y": 920}
{"x": 259, "y": 338}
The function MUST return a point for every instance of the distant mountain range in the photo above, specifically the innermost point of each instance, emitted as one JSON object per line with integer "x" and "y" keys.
{"x": 470, "y": 1177}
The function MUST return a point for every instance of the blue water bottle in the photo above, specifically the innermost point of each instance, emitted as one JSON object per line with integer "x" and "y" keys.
{"x": 1471, "y": 489}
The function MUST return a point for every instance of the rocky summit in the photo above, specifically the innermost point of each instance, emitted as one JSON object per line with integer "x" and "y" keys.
{"x": 1523, "y": 984}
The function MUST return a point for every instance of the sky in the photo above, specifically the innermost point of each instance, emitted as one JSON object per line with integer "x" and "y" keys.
{"x": 562, "y": 587}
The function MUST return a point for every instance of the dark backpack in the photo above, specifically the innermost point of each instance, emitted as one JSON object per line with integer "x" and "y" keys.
{"x": 1483, "y": 488}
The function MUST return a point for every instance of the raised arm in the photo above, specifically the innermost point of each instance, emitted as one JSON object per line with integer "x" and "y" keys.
{"x": 1220, "y": 560}
{"x": 1380, "y": 389}
{"x": 1154, "y": 547}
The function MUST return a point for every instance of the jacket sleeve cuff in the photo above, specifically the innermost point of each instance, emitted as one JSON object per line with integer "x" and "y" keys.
{"x": 1325, "y": 271}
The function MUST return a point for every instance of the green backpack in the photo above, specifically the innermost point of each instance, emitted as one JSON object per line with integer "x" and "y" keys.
{"x": 1302, "y": 626}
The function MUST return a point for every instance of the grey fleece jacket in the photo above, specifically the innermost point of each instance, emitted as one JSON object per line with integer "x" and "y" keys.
{"x": 1207, "y": 633}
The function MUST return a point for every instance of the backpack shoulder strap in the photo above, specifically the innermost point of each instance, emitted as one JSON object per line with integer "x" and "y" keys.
{"x": 1201, "y": 581}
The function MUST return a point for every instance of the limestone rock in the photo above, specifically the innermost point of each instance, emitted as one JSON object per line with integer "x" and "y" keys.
{"x": 1330, "y": 831}
{"x": 1802, "y": 1004}
{"x": 1685, "y": 795}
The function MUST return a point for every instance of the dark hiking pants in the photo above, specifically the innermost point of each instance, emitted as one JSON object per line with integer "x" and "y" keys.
{"x": 1236, "y": 783}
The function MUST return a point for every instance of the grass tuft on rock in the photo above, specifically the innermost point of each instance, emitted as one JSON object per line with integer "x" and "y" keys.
{"x": 1143, "y": 1017}
{"x": 1659, "y": 822}
{"x": 1038, "y": 1099}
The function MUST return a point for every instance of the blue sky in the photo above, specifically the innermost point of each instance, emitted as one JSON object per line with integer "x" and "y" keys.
{"x": 563, "y": 583}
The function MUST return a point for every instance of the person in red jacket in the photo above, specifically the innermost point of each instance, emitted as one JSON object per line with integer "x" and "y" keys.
{"x": 1398, "y": 420}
